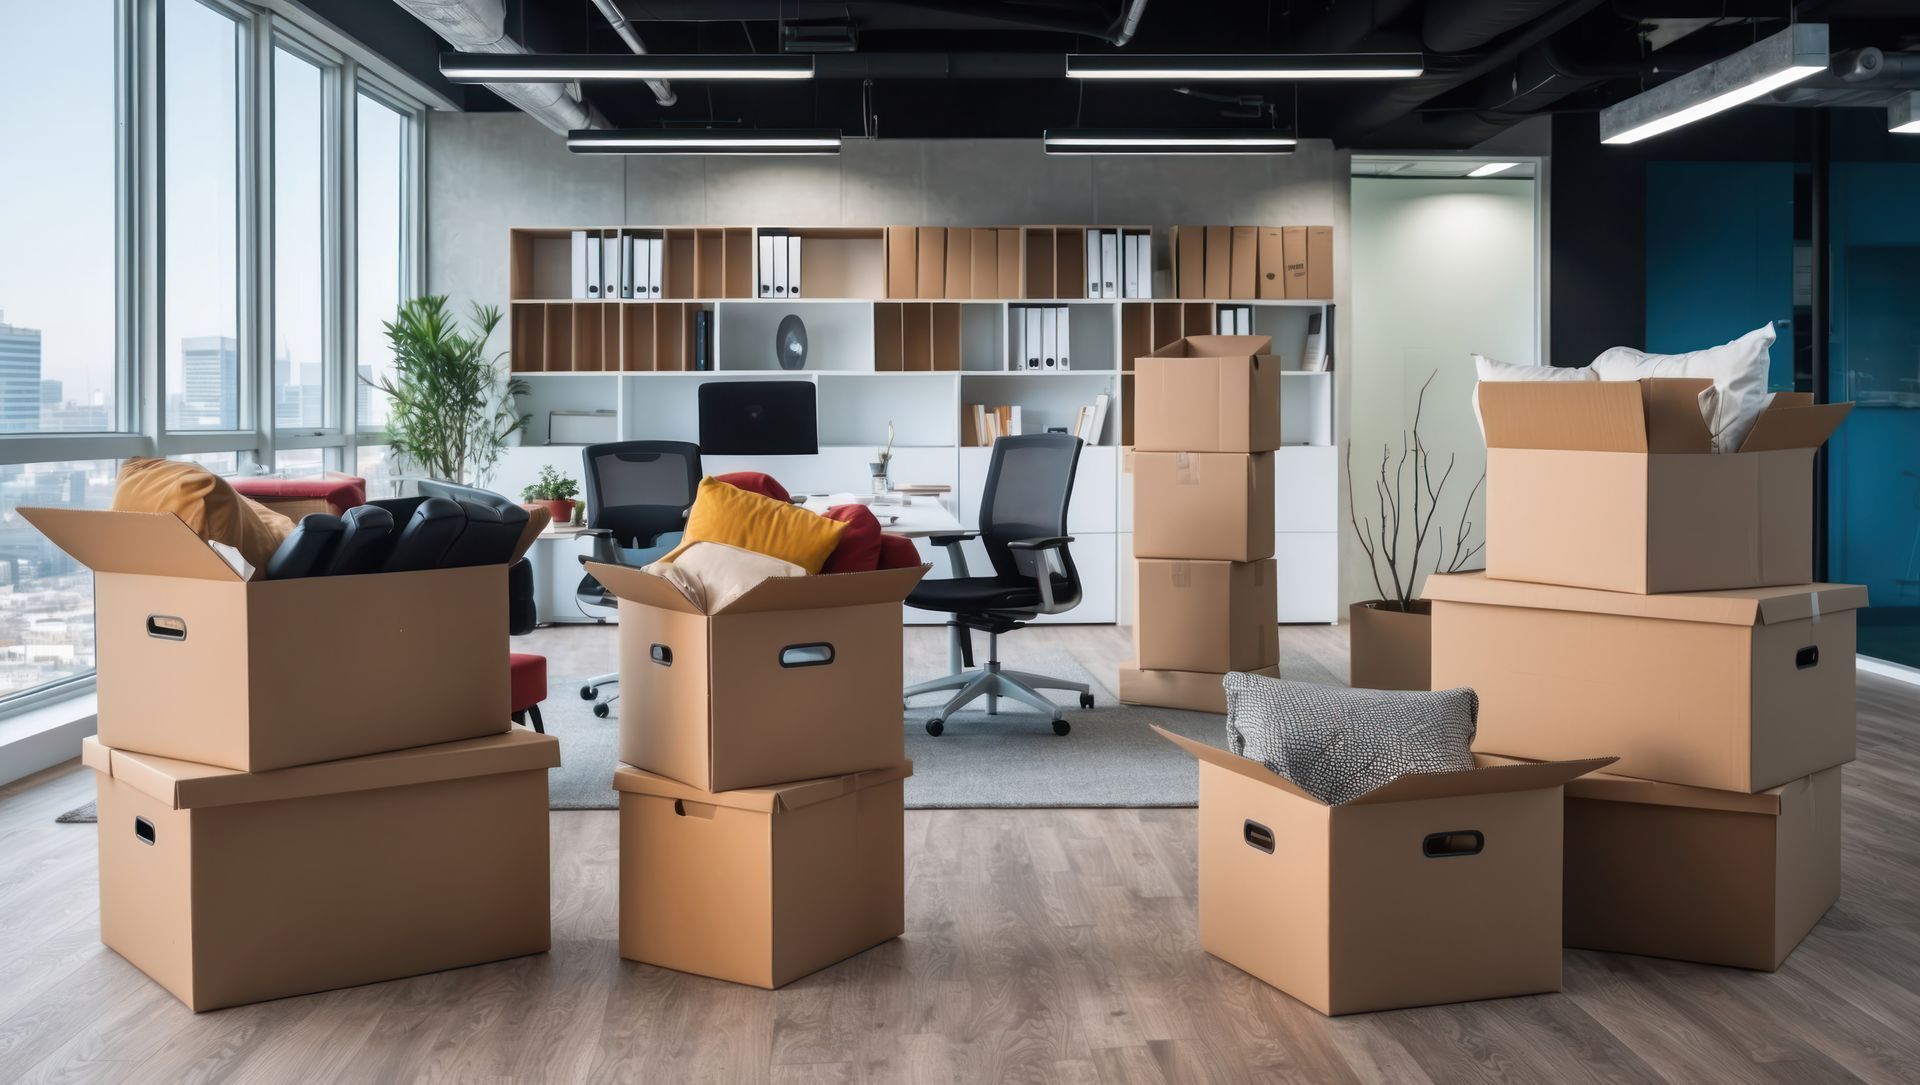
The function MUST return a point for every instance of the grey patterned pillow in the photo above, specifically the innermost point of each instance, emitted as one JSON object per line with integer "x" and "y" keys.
{"x": 1337, "y": 744}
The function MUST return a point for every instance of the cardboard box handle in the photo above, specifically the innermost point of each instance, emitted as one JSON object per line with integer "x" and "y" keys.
{"x": 1259, "y": 837}
{"x": 806, "y": 655}
{"x": 1455, "y": 844}
{"x": 1807, "y": 657}
{"x": 683, "y": 808}
{"x": 661, "y": 654}
{"x": 143, "y": 831}
{"x": 166, "y": 627}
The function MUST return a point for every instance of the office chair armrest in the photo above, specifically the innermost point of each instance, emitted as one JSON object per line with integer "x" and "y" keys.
{"x": 1042, "y": 569}
{"x": 604, "y": 551}
{"x": 1052, "y": 542}
{"x": 952, "y": 538}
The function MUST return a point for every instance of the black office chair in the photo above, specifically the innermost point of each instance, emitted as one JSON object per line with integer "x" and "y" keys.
{"x": 1023, "y": 525}
{"x": 523, "y": 612}
{"x": 638, "y": 497}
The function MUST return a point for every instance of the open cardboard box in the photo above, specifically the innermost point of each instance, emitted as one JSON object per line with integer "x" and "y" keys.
{"x": 230, "y": 887}
{"x": 798, "y": 678}
{"x": 198, "y": 664}
{"x": 1194, "y": 691}
{"x": 1435, "y": 888}
{"x": 1738, "y": 690}
{"x": 760, "y": 885}
{"x": 1214, "y": 506}
{"x": 1694, "y": 874}
{"x": 1614, "y": 485}
{"x": 1208, "y": 393}
{"x": 1206, "y": 615}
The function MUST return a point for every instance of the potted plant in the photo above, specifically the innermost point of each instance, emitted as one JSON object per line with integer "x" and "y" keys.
{"x": 450, "y": 412}
{"x": 554, "y": 492}
{"x": 1391, "y": 637}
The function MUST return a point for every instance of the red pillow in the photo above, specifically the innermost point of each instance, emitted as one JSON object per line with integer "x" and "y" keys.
{"x": 755, "y": 482}
{"x": 897, "y": 552}
{"x": 859, "y": 549}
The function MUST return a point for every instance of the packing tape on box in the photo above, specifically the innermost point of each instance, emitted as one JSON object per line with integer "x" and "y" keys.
{"x": 1183, "y": 472}
{"x": 1182, "y": 574}
{"x": 1814, "y": 598}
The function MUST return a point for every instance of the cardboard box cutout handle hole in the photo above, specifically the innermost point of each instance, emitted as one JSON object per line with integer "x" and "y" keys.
{"x": 1453, "y": 845}
{"x": 661, "y": 654}
{"x": 143, "y": 830}
{"x": 683, "y": 808}
{"x": 806, "y": 655}
{"x": 1259, "y": 837}
{"x": 1807, "y": 657}
{"x": 166, "y": 627}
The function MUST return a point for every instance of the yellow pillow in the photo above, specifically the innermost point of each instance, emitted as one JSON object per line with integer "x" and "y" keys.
{"x": 728, "y": 514}
{"x": 205, "y": 502}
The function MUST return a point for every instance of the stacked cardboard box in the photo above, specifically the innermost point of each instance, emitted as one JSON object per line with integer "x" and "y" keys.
{"x": 1649, "y": 598}
{"x": 761, "y": 784}
{"x": 304, "y": 784}
{"x": 1206, "y": 422}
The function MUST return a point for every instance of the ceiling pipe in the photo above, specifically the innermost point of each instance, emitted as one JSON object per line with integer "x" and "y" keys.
{"x": 480, "y": 26}
{"x": 1129, "y": 23}
{"x": 662, "y": 90}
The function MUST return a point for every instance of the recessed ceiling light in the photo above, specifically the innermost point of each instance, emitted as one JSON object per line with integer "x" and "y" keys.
{"x": 1246, "y": 66}
{"x": 704, "y": 141}
{"x": 617, "y": 67}
{"x": 1165, "y": 141}
{"x": 1761, "y": 68}
{"x": 1492, "y": 168}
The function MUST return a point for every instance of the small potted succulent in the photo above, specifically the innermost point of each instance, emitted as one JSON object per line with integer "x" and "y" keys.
{"x": 554, "y": 492}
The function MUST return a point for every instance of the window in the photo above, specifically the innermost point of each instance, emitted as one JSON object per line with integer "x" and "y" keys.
{"x": 201, "y": 178}
{"x": 381, "y": 248}
{"x": 300, "y": 282}
{"x": 300, "y": 462}
{"x": 57, "y": 349}
{"x": 375, "y": 464}
{"x": 46, "y": 597}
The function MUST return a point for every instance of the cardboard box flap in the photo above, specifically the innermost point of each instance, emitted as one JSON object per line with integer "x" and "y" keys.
{"x": 186, "y": 785}
{"x": 765, "y": 800}
{"x": 1488, "y": 779}
{"x": 1675, "y": 422}
{"x": 1787, "y": 426}
{"x": 632, "y": 583}
{"x": 1742, "y": 606}
{"x": 1607, "y": 787}
{"x": 805, "y": 793}
{"x": 827, "y": 590}
{"x": 1653, "y": 415}
{"x": 1216, "y": 346}
{"x": 1233, "y": 762}
{"x": 142, "y": 543}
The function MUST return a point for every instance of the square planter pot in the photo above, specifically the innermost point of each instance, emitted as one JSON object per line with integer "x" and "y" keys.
{"x": 1390, "y": 649}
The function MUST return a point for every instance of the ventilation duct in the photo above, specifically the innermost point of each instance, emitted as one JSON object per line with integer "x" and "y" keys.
{"x": 480, "y": 26}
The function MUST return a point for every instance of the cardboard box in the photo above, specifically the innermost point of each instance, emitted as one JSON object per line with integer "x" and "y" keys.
{"x": 1219, "y": 275}
{"x": 1243, "y": 273}
{"x": 230, "y": 887}
{"x": 1188, "y": 246}
{"x": 1216, "y": 506}
{"x": 1271, "y": 265}
{"x": 1208, "y": 393}
{"x": 1206, "y": 615}
{"x": 1715, "y": 877}
{"x": 199, "y": 665}
{"x": 1736, "y": 690}
{"x": 1436, "y": 888}
{"x": 1320, "y": 262}
{"x": 764, "y": 885}
{"x": 799, "y": 678}
{"x": 1293, "y": 246}
{"x": 959, "y": 263}
{"x": 931, "y": 277}
{"x": 1193, "y": 691}
{"x": 1613, "y": 485}
{"x": 903, "y": 262}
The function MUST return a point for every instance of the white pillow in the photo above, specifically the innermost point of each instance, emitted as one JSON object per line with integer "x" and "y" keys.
{"x": 1491, "y": 370}
{"x": 1738, "y": 371}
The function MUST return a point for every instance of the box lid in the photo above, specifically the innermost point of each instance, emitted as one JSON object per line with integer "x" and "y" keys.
{"x": 1612, "y": 788}
{"x": 775, "y": 593}
{"x": 1740, "y": 606}
{"x": 143, "y": 543}
{"x": 1490, "y": 777}
{"x": 1216, "y": 346}
{"x": 766, "y": 800}
{"x": 1794, "y": 420}
{"x": 186, "y": 785}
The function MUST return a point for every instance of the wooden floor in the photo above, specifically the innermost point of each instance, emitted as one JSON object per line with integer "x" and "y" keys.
{"x": 1043, "y": 945}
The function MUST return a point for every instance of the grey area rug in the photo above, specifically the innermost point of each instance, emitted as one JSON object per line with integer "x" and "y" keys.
{"x": 1014, "y": 759}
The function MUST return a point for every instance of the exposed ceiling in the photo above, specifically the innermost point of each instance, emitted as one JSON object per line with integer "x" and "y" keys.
{"x": 951, "y": 68}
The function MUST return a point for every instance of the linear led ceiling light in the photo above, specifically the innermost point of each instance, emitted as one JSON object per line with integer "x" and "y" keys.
{"x": 1903, "y": 114}
{"x": 1759, "y": 69}
{"x": 704, "y": 141}
{"x": 1244, "y": 66}
{"x": 1165, "y": 141}
{"x": 617, "y": 67}
{"x": 1492, "y": 168}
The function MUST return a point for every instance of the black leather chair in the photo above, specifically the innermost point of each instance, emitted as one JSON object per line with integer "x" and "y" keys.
{"x": 523, "y": 613}
{"x": 1023, "y": 525}
{"x": 638, "y": 497}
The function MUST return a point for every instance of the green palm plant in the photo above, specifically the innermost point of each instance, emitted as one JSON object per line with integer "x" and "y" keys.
{"x": 449, "y": 412}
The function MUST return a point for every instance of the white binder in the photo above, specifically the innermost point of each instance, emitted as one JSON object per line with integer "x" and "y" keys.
{"x": 1093, "y": 263}
{"x": 1243, "y": 320}
{"x": 593, "y": 266}
{"x": 579, "y": 264}
{"x": 1062, "y": 350}
{"x": 1145, "y": 255}
{"x": 766, "y": 264}
{"x": 1035, "y": 348}
{"x": 1223, "y": 321}
{"x": 1049, "y": 338}
{"x": 642, "y": 262}
{"x": 1109, "y": 263}
{"x": 779, "y": 253}
{"x": 1017, "y": 317}
{"x": 1130, "y": 265}
{"x": 793, "y": 266}
{"x": 626, "y": 265}
{"x": 610, "y": 267}
{"x": 656, "y": 258}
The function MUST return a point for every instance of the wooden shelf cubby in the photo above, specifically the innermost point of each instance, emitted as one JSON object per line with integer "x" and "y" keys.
{"x": 602, "y": 337}
{"x": 917, "y": 337}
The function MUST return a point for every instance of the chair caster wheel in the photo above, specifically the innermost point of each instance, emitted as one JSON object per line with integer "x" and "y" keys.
{"x": 1061, "y": 727}
{"x": 1086, "y": 700}
{"x": 601, "y": 710}
{"x": 588, "y": 693}
{"x": 934, "y": 727}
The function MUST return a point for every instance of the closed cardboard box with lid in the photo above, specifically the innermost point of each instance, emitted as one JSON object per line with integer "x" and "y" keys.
{"x": 200, "y": 665}
{"x": 1206, "y": 615}
{"x": 1194, "y": 691}
{"x": 761, "y": 885}
{"x": 230, "y": 887}
{"x": 1737, "y": 690}
{"x": 1216, "y": 506}
{"x": 1208, "y": 393}
{"x": 1614, "y": 485}
{"x": 798, "y": 678}
{"x": 1435, "y": 888}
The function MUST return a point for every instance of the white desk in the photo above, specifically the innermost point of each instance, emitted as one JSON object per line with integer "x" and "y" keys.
{"x": 557, "y": 572}
{"x": 924, "y": 517}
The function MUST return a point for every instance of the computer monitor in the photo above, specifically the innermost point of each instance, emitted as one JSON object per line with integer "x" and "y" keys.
{"x": 758, "y": 418}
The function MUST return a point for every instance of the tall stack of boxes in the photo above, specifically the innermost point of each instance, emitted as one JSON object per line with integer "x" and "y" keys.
{"x": 1650, "y": 598}
{"x": 304, "y": 784}
{"x": 762, "y": 806}
{"x": 1206, "y": 424}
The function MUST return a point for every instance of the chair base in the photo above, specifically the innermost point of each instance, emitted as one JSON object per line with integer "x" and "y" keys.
{"x": 993, "y": 682}
{"x": 590, "y": 691}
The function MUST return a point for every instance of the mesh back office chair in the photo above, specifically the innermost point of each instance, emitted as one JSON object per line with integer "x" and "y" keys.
{"x": 638, "y": 497}
{"x": 1023, "y": 525}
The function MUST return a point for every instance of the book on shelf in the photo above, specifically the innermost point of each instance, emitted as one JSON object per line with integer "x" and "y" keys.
{"x": 1313, "y": 351}
{"x": 986, "y": 424}
{"x": 703, "y": 340}
{"x": 1091, "y": 419}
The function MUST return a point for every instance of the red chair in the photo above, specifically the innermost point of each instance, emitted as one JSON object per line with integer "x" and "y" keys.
{"x": 297, "y": 497}
{"x": 529, "y": 688}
